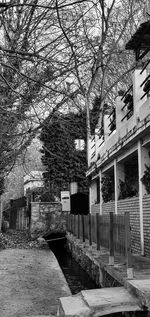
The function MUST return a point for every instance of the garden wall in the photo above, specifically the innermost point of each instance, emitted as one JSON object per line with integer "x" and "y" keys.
{"x": 46, "y": 217}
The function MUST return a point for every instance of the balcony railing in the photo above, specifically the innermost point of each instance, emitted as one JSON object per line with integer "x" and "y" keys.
{"x": 128, "y": 103}
{"x": 112, "y": 124}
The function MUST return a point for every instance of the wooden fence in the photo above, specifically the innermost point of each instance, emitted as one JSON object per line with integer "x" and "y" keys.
{"x": 110, "y": 231}
{"x": 18, "y": 215}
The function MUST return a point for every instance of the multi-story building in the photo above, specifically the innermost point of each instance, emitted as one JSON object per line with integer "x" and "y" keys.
{"x": 120, "y": 150}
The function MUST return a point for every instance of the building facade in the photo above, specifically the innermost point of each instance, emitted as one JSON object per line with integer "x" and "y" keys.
{"x": 119, "y": 152}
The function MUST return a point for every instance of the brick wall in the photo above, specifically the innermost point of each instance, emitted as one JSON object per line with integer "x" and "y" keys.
{"x": 132, "y": 205}
{"x": 108, "y": 207}
{"x": 95, "y": 208}
{"x": 146, "y": 224}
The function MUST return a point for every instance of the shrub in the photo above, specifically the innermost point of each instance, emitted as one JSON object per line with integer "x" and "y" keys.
{"x": 146, "y": 179}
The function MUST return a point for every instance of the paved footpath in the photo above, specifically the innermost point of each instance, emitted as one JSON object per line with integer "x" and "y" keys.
{"x": 31, "y": 282}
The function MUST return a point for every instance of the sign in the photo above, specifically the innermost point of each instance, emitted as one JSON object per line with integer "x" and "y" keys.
{"x": 65, "y": 200}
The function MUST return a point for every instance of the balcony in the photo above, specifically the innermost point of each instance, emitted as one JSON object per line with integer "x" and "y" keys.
{"x": 128, "y": 121}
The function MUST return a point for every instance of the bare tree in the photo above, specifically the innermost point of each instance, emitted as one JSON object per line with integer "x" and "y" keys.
{"x": 57, "y": 54}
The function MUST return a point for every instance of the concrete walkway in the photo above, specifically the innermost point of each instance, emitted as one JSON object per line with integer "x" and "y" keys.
{"x": 31, "y": 283}
{"x": 98, "y": 302}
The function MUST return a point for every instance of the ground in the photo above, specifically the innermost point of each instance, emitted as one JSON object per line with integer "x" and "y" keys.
{"x": 31, "y": 280}
{"x": 18, "y": 239}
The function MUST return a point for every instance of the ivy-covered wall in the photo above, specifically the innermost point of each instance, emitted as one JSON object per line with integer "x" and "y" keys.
{"x": 64, "y": 163}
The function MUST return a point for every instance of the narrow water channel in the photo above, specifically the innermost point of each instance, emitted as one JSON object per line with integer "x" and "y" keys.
{"x": 79, "y": 280}
{"x": 76, "y": 277}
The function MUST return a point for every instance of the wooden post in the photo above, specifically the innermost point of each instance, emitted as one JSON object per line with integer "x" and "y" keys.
{"x": 22, "y": 218}
{"x": 68, "y": 222}
{"x": 68, "y": 215}
{"x": 83, "y": 231}
{"x": 78, "y": 226}
{"x": 74, "y": 225}
{"x": 128, "y": 246}
{"x": 71, "y": 223}
{"x": 111, "y": 239}
{"x": 97, "y": 232}
{"x": 90, "y": 233}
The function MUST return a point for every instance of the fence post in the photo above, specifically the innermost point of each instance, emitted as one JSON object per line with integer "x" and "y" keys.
{"x": 111, "y": 239}
{"x": 67, "y": 221}
{"x": 90, "y": 233}
{"x": 83, "y": 231}
{"x": 97, "y": 232}
{"x": 128, "y": 246}
{"x": 78, "y": 226}
{"x": 74, "y": 225}
{"x": 69, "y": 226}
{"x": 71, "y": 223}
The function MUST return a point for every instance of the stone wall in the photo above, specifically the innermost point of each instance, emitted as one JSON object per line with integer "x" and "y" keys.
{"x": 90, "y": 263}
{"x": 46, "y": 217}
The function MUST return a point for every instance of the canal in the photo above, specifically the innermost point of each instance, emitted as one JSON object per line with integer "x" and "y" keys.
{"x": 76, "y": 277}
{"x": 79, "y": 280}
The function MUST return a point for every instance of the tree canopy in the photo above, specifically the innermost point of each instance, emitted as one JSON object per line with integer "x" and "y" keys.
{"x": 57, "y": 54}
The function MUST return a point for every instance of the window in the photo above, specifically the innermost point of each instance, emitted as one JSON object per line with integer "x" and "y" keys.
{"x": 79, "y": 144}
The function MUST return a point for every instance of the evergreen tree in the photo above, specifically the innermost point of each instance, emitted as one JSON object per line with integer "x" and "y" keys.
{"x": 64, "y": 163}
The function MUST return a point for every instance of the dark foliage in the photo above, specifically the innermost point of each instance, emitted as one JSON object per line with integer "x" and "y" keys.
{"x": 146, "y": 179}
{"x": 126, "y": 189}
{"x": 107, "y": 188}
{"x": 1, "y": 185}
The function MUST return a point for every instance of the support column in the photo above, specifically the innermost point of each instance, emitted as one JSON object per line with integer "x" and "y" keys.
{"x": 90, "y": 199}
{"x": 101, "y": 197}
{"x": 118, "y": 175}
{"x": 143, "y": 158}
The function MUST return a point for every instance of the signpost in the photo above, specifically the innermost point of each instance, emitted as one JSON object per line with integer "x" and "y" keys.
{"x": 65, "y": 200}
